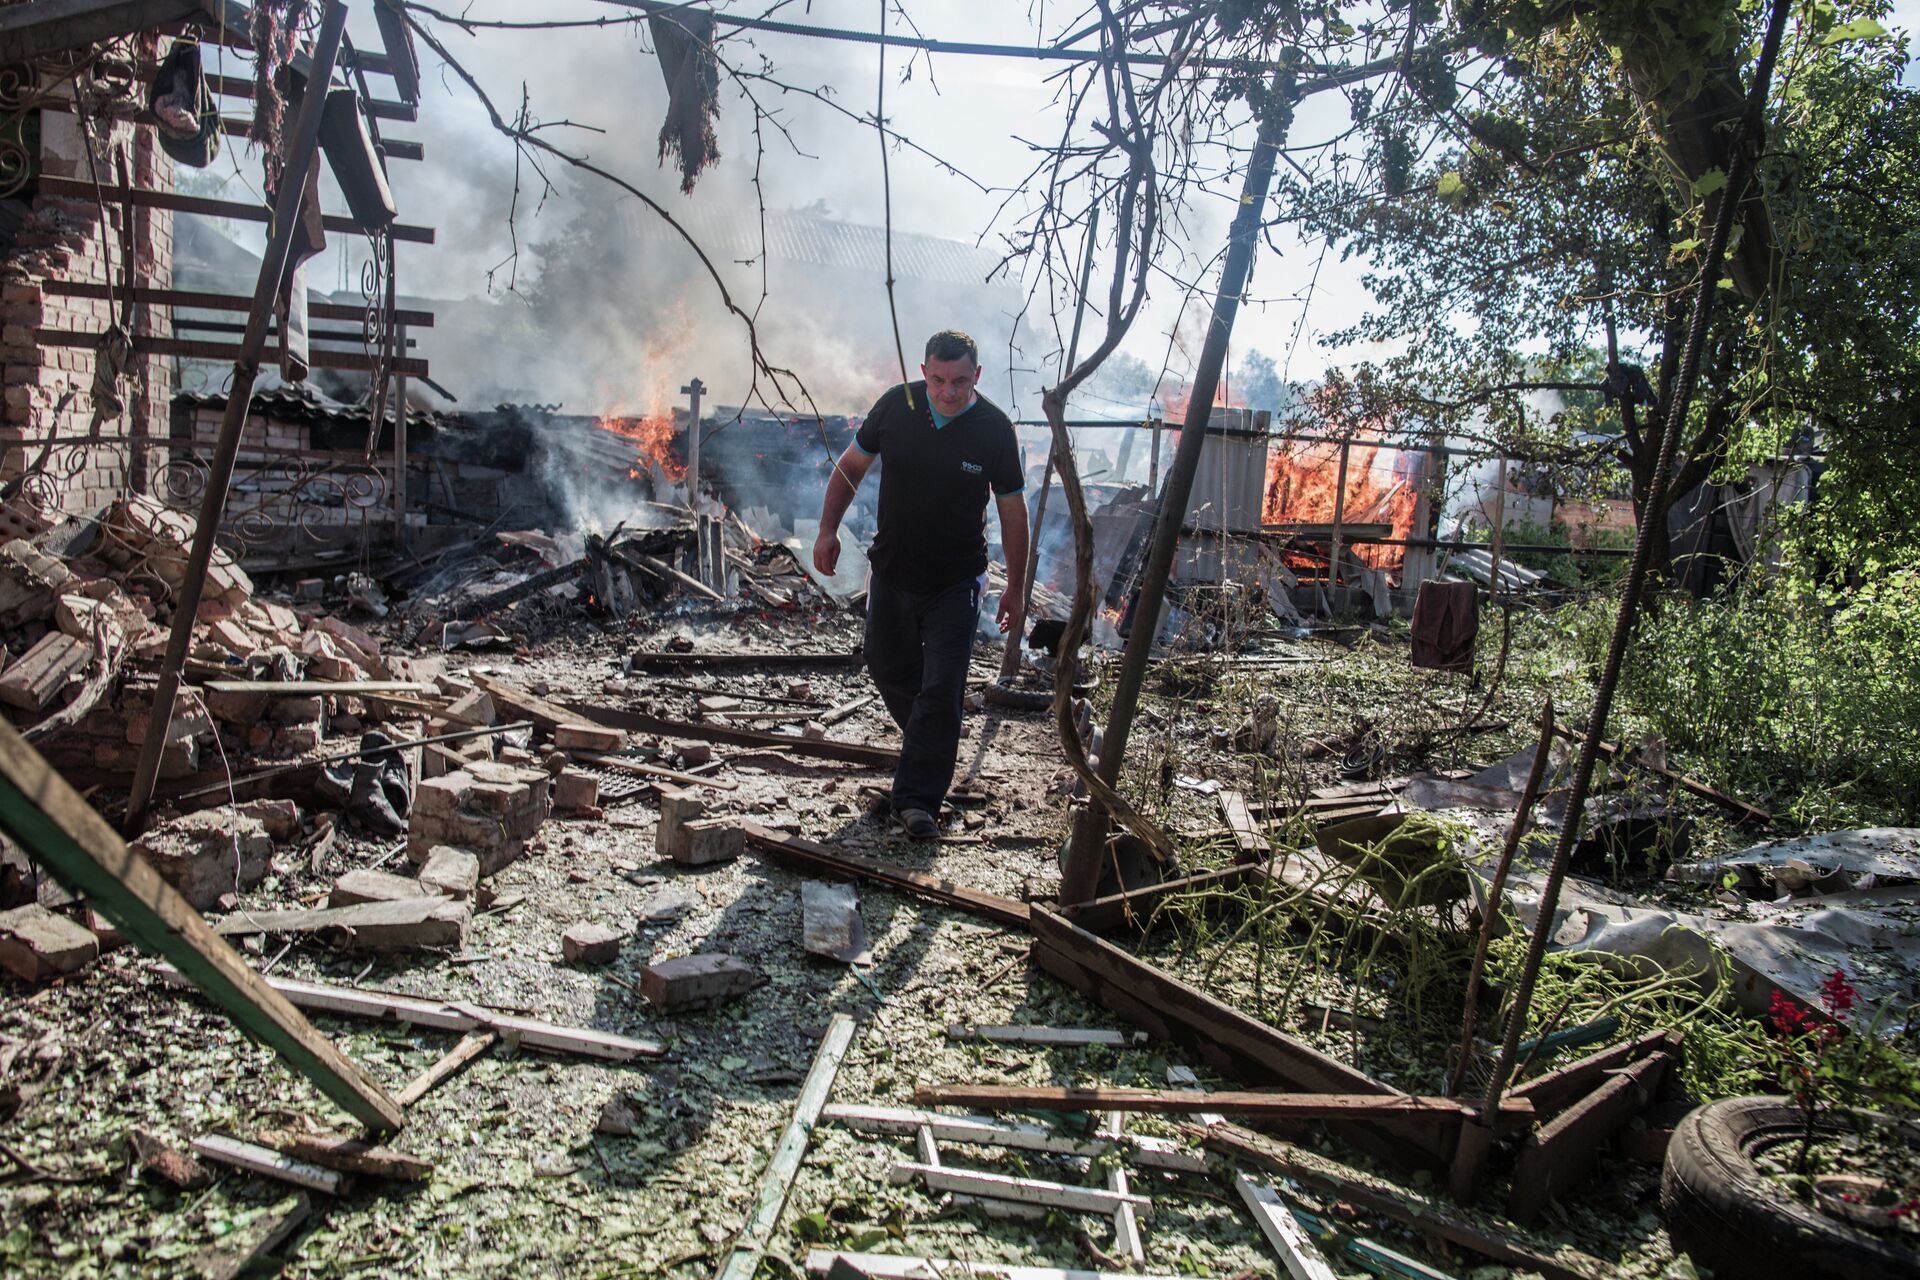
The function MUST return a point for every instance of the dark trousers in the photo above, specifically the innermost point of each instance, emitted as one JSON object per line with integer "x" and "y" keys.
{"x": 917, "y": 648}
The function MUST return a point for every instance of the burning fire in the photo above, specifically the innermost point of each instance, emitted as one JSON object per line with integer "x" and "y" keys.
{"x": 1382, "y": 488}
{"x": 657, "y": 438}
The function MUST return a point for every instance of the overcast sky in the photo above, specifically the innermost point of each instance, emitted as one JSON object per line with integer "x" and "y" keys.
{"x": 980, "y": 113}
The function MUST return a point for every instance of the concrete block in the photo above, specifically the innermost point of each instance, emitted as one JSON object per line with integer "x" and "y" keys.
{"x": 705, "y": 841}
{"x": 454, "y": 872}
{"x": 575, "y": 792}
{"x": 591, "y": 944}
{"x": 364, "y": 885}
{"x": 588, "y": 737}
{"x": 696, "y": 981}
{"x": 443, "y": 794}
{"x": 208, "y": 854}
{"x": 39, "y": 945}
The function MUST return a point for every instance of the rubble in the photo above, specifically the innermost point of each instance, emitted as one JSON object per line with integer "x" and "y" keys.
{"x": 591, "y": 944}
{"x": 696, "y": 981}
{"x": 488, "y": 808}
{"x": 39, "y": 945}
{"x": 209, "y": 855}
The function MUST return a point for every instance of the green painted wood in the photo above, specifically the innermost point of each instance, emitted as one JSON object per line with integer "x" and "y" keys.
{"x": 50, "y": 820}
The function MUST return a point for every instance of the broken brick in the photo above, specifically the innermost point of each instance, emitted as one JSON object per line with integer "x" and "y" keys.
{"x": 209, "y": 853}
{"x": 705, "y": 841}
{"x": 575, "y": 792}
{"x": 588, "y": 737}
{"x": 365, "y": 885}
{"x": 39, "y": 945}
{"x": 454, "y": 872}
{"x": 696, "y": 981}
{"x": 591, "y": 944}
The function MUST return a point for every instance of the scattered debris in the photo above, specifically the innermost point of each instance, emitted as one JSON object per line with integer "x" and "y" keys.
{"x": 696, "y": 982}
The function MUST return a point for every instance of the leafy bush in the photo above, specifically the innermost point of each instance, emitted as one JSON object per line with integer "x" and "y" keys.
{"x": 1808, "y": 692}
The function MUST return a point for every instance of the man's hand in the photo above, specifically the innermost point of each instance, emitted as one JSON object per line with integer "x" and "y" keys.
{"x": 826, "y": 553}
{"x": 1009, "y": 614}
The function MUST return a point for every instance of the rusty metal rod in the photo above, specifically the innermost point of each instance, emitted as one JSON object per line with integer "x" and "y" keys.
{"x": 1739, "y": 173}
{"x": 1498, "y": 886}
{"x": 299, "y": 160}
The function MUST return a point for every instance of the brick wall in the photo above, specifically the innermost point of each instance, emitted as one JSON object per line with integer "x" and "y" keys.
{"x": 47, "y": 389}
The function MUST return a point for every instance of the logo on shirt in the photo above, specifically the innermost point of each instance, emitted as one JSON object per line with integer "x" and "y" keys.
{"x": 972, "y": 468}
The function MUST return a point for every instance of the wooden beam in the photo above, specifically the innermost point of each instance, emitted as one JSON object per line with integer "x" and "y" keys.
{"x": 1264, "y": 1106}
{"x": 301, "y": 688}
{"x": 601, "y": 760}
{"x": 180, "y": 202}
{"x": 1103, "y": 915}
{"x": 1557, "y": 1090}
{"x": 1032, "y": 1191}
{"x": 989, "y": 1131}
{"x": 28, "y": 31}
{"x": 751, "y": 1245}
{"x": 449, "y": 1015}
{"x": 656, "y": 658}
{"x": 47, "y": 818}
{"x": 1231, "y": 1041}
{"x": 848, "y": 752}
{"x": 546, "y": 716}
{"x": 1296, "y": 1250}
{"x": 197, "y": 349}
{"x": 196, "y": 300}
{"x": 347, "y": 1155}
{"x": 1613, "y": 751}
{"x": 378, "y": 108}
{"x": 471, "y": 1046}
{"x": 887, "y": 1266}
{"x": 1480, "y": 1234}
{"x": 269, "y": 1163}
{"x": 1249, "y": 843}
{"x": 1059, "y": 1037}
{"x": 847, "y": 866}
{"x": 1563, "y": 1151}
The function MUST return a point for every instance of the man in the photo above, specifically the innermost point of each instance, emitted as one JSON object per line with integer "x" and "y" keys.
{"x": 946, "y": 449}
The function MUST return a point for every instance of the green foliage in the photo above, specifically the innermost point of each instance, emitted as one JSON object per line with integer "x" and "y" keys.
{"x": 1784, "y": 687}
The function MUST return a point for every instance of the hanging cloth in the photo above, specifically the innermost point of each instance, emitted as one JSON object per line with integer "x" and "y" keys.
{"x": 683, "y": 39}
{"x": 1446, "y": 623}
{"x": 186, "y": 118}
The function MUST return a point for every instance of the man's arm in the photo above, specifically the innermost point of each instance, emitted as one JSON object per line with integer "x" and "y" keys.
{"x": 848, "y": 471}
{"x": 1013, "y": 540}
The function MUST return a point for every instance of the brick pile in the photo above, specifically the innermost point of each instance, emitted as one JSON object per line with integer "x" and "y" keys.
{"x": 489, "y": 808}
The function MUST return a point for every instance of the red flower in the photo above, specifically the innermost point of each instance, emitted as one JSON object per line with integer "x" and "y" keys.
{"x": 1787, "y": 1016}
{"x": 1837, "y": 994}
{"x": 1904, "y": 1210}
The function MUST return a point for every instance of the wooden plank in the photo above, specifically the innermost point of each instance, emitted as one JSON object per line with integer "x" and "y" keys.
{"x": 601, "y": 759}
{"x": 1227, "y": 1039}
{"x": 640, "y": 658}
{"x": 180, "y": 202}
{"x": 633, "y": 721}
{"x": 197, "y": 300}
{"x": 298, "y": 688}
{"x": 1034, "y": 1191}
{"x": 434, "y": 920}
{"x": 268, "y": 1163}
{"x": 1063, "y": 1037}
{"x": 29, "y": 31}
{"x": 1612, "y": 751}
{"x": 527, "y": 1033}
{"x": 240, "y": 1252}
{"x": 812, "y": 857}
{"x": 347, "y": 1155}
{"x": 886, "y": 1266}
{"x": 471, "y": 1046}
{"x": 1102, "y": 915}
{"x": 1424, "y": 1213}
{"x": 47, "y": 818}
{"x": 194, "y": 348}
{"x": 525, "y": 705}
{"x": 378, "y": 108}
{"x": 1250, "y": 845}
{"x": 1559, "y": 1089}
{"x": 1296, "y": 1250}
{"x": 989, "y": 1131}
{"x": 1266, "y": 1106}
{"x": 1564, "y": 1150}
{"x": 751, "y": 1245}
{"x": 1126, "y": 1222}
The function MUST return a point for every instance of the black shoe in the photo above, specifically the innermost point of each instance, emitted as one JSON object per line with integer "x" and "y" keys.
{"x": 919, "y": 824}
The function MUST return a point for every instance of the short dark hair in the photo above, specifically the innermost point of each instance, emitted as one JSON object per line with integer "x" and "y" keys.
{"x": 951, "y": 344}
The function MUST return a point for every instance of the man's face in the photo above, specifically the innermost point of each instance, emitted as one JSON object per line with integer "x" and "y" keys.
{"x": 950, "y": 383}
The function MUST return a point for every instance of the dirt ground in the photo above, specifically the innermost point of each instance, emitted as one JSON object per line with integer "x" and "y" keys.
{"x": 524, "y": 1185}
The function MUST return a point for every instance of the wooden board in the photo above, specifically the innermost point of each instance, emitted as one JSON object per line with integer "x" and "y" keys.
{"x": 990, "y": 1131}
{"x": 1032, "y": 1191}
{"x": 1296, "y": 1251}
{"x": 848, "y": 752}
{"x": 1227, "y": 1039}
{"x": 298, "y": 688}
{"x": 1266, "y": 1106}
{"x": 48, "y": 819}
{"x": 1481, "y": 1234}
{"x": 1249, "y": 844}
{"x": 471, "y": 1046}
{"x": 751, "y": 1245}
{"x": 269, "y": 1163}
{"x": 1559, "y": 1089}
{"x": 526, "y": 705}
{"x": 348, "y": 1155}
{"x": 812, "y": 857}
{"x": 886, "y": 1266}
{"x": 1563, "y": 1151}
{"x": 527, "y": 1033}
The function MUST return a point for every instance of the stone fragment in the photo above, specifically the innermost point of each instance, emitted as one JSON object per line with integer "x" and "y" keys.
{"x": 667, "y": 905}
{"x": 364, "y": 885}
{"x": 425, "y": 921}
{"x": 39, "y": 945}
{"x": 588, "y": 737}
{"x": 281, "y": 818}
{"x": 575, "y": 792}
{"x": 167, "y": 1162}
{"x": 696, "y": 753}
{"x": 619, "y": 1117}
{"x": 209, "y": 853}
{"x": 696, "y": 981}
{"x": 451, "y": 871}
{"x": 591, "y": 944}
{"x": 705, "y": 841}
{"x": 310, "y": 589}
{"x": 718, "y": 704}
{"x": 677, "y": 808}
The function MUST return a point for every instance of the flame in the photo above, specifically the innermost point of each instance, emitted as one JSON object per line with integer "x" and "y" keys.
{"x": 1382, "y": 488}
{"x": 658, "y": 441}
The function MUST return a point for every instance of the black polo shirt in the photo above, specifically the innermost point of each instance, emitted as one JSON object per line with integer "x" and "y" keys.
{"x": 934, "y": 485}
